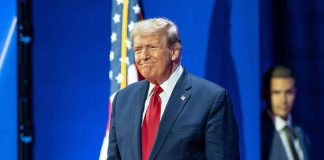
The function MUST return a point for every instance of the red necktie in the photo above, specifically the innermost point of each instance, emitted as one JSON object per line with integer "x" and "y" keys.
{"x": 151, "y": 122}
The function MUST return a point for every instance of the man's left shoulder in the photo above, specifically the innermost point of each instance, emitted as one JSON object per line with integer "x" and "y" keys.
{"x": 206, "y": 84}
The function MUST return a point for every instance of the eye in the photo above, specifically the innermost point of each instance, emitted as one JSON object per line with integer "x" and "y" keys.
{"x": 137, "y": 50}
{"x": 152, "y": 48}
{"x": 291, "y": 91}
{"x": 275, "y": 92}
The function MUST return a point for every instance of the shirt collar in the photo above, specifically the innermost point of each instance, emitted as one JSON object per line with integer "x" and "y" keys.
{"x": 279, "y": 122}
{"x": 170, "y": 83}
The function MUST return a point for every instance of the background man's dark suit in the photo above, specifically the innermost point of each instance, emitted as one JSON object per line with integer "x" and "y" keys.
{"x": 272, "y": 146}
{"x": 198, "y": 123}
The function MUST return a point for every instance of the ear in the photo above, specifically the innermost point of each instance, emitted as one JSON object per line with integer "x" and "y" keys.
{"x": 175, "y": 51}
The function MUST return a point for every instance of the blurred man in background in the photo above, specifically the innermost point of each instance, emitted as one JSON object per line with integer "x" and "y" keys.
{"x": 281, "y": 137}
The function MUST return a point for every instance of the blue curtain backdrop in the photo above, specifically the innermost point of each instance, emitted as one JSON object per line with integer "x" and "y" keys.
{"x": 220, "y": 67}
{"x": 292, "y": 34}
{"x": 70, "y": 77}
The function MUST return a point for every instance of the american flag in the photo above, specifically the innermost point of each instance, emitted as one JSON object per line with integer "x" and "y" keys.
{"x": 125, "y": 13}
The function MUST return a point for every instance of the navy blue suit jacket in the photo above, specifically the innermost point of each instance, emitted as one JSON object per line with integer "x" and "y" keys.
{"x": 272, "y": 146}
{"x": 200, "y": 126}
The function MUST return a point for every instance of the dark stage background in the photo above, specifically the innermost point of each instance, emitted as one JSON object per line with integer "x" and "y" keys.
{"x": 292, "y": 34}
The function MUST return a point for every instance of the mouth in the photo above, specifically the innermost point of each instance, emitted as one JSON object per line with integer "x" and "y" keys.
{"x": 284, "y": 109}
{"x": 146, "y": 64}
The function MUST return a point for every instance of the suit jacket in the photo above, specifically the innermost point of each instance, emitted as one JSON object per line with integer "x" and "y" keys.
{"x": 272, "y": 146}
{"x": 199, "y": 126}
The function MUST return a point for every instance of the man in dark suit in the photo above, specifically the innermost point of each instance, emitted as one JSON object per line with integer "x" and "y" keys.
{"x": 172, "y": 115}
{"x": 281, "y": 137}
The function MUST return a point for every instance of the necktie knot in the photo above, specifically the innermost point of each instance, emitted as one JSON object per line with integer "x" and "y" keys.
{"x": 286, "y": 129}
{"x": 157, "y": 89}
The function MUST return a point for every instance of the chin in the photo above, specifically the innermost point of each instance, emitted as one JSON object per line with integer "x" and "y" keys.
{"x": 148, "y": 76}
{"x": 284, "y": 115}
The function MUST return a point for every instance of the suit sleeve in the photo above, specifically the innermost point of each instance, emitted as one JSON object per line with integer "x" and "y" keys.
{"x": 221, "y": 137}
{"x": 113, "y": 151}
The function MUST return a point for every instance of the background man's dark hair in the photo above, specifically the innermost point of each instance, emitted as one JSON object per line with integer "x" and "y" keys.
{"x": 275, "y": 72}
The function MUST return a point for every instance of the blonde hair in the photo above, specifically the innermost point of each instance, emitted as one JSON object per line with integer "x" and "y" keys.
{"x": 154, "y": 25}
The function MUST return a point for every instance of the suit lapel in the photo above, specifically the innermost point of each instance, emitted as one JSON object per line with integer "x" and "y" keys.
{"x": 300, "y": 136}
{"x": 177, "y": 101}
{"x": 136, "y": 119}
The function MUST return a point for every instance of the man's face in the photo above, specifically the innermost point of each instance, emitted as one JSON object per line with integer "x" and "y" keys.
{"x": 153, "y": 58}
{"x": 283, "y": 94}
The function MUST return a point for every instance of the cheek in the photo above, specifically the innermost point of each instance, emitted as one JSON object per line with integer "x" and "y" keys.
{"x": 274, "y": 99}
{"x": 136, "y": 59}
{"x": 164, "y": 60}
{"x": 275, "y": 109}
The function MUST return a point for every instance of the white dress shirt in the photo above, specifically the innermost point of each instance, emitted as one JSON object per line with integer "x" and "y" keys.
{"x": 280, "y": 124}
{"x": 167, "y": 87}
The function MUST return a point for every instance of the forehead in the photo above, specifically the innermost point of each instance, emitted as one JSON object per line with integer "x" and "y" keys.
{"x": 282, "y": 83}
{"x": 149, "y": 38}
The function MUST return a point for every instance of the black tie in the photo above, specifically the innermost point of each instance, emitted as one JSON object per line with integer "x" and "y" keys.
{"x": 291, "y": 145}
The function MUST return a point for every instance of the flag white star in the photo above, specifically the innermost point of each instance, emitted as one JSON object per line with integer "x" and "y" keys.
{"x": 119, "y": 78}
{"x": 136, "y": 9}
{"x": 119, "y": 2}
{"x": 126, "y": 60}
{"x": 128, "y": 44}
{"x": 131, "y": 26}
{"x": 116, "y": 18}
{"x": 113, "y": 37}
{"x": 110, "y": 74}
{"x": 111, "y": 56}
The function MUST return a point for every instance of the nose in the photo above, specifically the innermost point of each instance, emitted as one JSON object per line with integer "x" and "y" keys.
{"x": 285, "y": 98}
